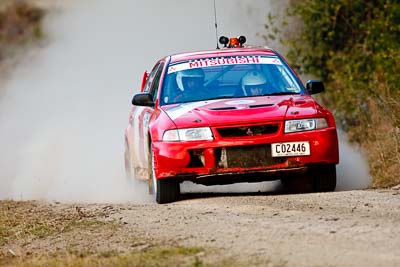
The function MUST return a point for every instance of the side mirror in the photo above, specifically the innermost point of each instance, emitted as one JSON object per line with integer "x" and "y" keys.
{"x": 315, "y": 87}
{"x": 144, "y": 80}
{"x": 143, "y": 99}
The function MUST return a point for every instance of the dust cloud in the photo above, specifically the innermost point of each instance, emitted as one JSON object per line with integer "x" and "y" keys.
{"x": 64, "y": 109}
{"x": 353, "y": 170}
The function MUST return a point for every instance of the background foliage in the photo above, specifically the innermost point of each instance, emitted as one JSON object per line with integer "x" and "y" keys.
{"x": 20, "y": 24}
{"x": 354, "y": 46}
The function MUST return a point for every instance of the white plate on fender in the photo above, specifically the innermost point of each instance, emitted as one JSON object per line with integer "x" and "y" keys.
{"x": 290, "y": 149}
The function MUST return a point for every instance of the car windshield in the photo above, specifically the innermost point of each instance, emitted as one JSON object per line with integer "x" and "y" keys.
{"x": 227, "y": 77}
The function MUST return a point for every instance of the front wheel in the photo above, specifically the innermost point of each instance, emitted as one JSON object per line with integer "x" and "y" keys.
{"x": 316, "y": 179}
{"x": 323, "y": 178}
{"x": 164, "y": 190}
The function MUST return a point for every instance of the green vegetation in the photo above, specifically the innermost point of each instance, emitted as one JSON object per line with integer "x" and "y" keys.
{"x": 354, "y": 47}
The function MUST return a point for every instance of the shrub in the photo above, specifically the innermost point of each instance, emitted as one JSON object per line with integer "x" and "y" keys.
{"x": 353, "y": 45}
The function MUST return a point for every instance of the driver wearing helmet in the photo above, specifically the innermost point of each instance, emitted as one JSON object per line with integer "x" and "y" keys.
{"x": 191, "y": 85}
{"x": 254, "y": 83}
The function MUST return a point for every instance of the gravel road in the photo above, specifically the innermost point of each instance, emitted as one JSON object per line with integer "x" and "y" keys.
{"x": 352, "y": 228}
{"x": 348, "y": 228}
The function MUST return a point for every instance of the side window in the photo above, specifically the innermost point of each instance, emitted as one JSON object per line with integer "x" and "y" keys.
{"x": 156, "y": 81}
{"x": 151, "y": 77}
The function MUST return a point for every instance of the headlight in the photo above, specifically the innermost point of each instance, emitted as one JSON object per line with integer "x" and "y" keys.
{"x": 189, "y": 134}
{"x": 305, "y": 125}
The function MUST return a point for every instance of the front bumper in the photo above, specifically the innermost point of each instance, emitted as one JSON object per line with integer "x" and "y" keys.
{"x": 206, "y": 161}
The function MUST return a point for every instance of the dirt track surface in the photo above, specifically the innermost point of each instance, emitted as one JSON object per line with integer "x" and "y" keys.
{"x": 350, "y": 228}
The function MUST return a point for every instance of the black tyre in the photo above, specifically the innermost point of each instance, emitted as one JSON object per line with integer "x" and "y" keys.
{"x": 167, "y": 191}
{"x": 323, "y": 178}
{"x": 164, "y": 190}
{"x": 296, "y": 184}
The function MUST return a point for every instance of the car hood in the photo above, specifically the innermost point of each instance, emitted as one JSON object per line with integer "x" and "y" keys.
{"x": 235, "y": 111}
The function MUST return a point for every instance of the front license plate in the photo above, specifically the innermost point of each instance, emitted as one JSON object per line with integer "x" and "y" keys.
{"x": 290, "y": 149}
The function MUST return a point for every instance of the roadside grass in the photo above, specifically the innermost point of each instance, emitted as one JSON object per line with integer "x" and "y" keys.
{"x": 3, "y": 234}
{"x": 155, "y": 256}
{"x": 10, "y": 231}
{"x": 159, "y": 256}
{"x": 23, "y": 222}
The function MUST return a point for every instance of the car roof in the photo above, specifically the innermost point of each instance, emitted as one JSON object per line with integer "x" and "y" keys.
{"x": 243, "y": 51}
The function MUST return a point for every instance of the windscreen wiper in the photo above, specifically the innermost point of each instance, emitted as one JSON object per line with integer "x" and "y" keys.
{"x": 281, "y": 93}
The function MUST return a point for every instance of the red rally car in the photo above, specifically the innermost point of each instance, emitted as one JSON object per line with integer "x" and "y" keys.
{"x": 236, "y": 114}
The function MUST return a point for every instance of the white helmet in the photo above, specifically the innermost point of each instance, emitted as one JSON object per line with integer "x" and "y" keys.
{"x": 253, "y": 79}
{"x": 183, "y": 77}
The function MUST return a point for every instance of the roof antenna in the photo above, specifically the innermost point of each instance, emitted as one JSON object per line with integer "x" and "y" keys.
{"x": 216, "y": 26}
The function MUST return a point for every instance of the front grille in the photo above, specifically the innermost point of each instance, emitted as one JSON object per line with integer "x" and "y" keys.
{"x": 248, "y": 130}
{"x": 247, "y": 157}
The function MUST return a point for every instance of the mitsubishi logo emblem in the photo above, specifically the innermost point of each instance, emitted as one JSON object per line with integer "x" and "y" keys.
{"x": 249, "y": 132}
